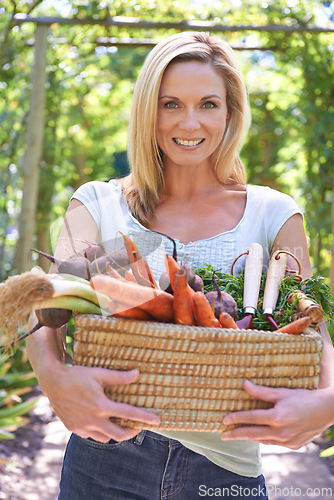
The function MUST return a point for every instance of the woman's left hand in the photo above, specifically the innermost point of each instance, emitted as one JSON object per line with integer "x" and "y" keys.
{"x": 298, "y": 416}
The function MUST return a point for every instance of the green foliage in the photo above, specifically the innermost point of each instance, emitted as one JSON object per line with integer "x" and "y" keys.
{"x": 328, "y": 452}
{"x": 89, "y": 88}
{"x": 13, "y": 385}
{"x": 314, "y": 288}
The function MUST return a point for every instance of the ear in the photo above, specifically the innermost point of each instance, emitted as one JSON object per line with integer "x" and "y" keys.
{"x": 228, "y": 116}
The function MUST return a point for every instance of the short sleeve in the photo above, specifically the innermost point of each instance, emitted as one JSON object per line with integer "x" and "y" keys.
{"x": 88, "y": 195}
{"x": 103, "y": 200}
{"x": 280, "y": 207}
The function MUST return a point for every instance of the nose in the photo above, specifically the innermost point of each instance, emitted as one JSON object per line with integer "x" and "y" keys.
{"x": 189, "y": 120}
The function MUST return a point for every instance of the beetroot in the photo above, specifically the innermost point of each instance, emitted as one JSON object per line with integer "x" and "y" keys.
{"x": 190, "y": 274}
{"x": 53, "y": 317}
{"x": 164, "y": 282}
{"x": 198, "y": 284}
{"x": 76, "y": 265}
{"x": 93, "y": 252}
{"x": 118, "y": 259}
{"x": 223, "y": 303}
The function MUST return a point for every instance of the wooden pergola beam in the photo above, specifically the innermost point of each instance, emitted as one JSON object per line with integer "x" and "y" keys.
{"x": 121, "y": 43}
{"x": 133, "y": 22}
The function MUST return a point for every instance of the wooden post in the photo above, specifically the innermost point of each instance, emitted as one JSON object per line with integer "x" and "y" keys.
{"x": 33, "y": 152}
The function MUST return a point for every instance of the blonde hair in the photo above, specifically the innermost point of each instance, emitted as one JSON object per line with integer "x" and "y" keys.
{"x": 146, "y": 181}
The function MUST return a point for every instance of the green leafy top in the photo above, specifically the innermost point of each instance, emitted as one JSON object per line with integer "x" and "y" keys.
{"x": 314, "y": 288}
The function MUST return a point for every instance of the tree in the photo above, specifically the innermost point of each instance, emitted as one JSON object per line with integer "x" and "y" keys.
{"x": 89, "y": 86}
{"x": 33, "y": 152}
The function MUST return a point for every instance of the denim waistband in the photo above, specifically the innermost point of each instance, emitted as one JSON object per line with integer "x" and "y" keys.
{"x": 154, "y": 435}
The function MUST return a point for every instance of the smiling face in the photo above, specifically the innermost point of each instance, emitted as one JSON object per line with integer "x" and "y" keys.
{"x": 192, "y": 113}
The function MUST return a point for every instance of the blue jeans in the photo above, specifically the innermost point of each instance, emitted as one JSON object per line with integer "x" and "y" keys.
{"x": 148, "y": 467}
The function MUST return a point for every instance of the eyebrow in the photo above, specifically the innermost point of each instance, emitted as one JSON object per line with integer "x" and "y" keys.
{"x": 215, "y": 96}
{"x": 202, "y": 99}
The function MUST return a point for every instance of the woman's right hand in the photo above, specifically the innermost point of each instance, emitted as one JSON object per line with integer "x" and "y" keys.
{"x": 76, "y": 394}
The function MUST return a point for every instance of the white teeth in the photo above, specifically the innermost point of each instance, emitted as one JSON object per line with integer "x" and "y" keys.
{"x": 187, "y": 143}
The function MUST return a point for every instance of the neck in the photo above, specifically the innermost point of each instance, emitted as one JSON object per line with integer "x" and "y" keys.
{"x": 186, "y": 183}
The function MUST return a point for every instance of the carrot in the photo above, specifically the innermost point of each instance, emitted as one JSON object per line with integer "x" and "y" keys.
{"x": 172, "y": 268}
{"x": 121, "y": 291}
{"x": 296, "y": 327}
{"x": 149, "y": 273}
{"x": 130, "y": 277}
{"x": 183, "y": 303}
{"x": 111, "y": 271}
{"x": 156, "y": 302}
{"x": 203, "y": 313}
{"x": 133, "y": 313}
{"x": 140, "y": 268}
{"x": 226, "y": 320}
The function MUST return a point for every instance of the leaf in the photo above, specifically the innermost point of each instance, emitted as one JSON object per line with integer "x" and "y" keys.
{"x": 11, "y": 424}
{"x": 328, "y": 452}
{"x": 13, "y": 380}
{"x": 6, "y": 434}
{"x": 18, "y": 409}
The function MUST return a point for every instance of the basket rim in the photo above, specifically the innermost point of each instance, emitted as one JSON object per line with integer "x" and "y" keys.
{"x": 141, "y": 327}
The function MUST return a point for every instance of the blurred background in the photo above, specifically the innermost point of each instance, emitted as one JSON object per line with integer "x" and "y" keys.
{"x": 67, "y": 72}
{"x": 87, "y": 65}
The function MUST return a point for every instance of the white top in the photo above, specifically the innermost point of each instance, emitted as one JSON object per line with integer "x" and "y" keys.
{"x": 265, "y": 212}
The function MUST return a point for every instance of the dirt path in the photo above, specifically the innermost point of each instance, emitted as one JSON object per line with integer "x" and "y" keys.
{"x": 35, "y": 458}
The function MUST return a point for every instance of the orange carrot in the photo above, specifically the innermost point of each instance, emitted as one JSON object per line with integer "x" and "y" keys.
{"x": 203, "y": 312}
{"x": 158, "y": 303}
{"x": 172, "y": 268}
{"x": 111, "y": 271}
{"x": 133, "y": 313}
{"x": 296, "y": 327}
{"x": 149, "y": 273}
{"x": 129, "y": 277}
{"x": 121, "y": 291}
{"x": 183, "y": 303}
{"x": 140, "y": 268}
{"x": 226, "y": 320}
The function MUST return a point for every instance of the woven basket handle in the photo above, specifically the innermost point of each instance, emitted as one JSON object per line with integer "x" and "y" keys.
{"x": 252, "y": 277}
{"x": 276, "y": 272}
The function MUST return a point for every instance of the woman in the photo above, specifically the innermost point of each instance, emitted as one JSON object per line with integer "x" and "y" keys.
{"x": 189, "y": 116}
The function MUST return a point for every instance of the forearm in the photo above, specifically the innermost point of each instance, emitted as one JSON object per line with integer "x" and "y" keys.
{"x": 45, "y": 350}
{"x": 327, "y": 361}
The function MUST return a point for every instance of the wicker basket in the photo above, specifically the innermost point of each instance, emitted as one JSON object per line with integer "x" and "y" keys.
{"x": 193, "y": 376}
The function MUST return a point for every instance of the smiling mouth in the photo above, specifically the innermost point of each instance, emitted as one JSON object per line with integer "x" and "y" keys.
{"x": 182, "y": 142}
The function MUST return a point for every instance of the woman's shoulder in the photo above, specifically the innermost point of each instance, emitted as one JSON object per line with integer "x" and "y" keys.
{"x": 98, "y": 189}
{"x": 267, "y": 194}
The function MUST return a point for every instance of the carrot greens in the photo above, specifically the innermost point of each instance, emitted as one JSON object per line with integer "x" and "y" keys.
{"x": 314, "y": 288}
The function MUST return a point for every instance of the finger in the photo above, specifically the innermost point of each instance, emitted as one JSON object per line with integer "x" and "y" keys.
{"x": 269, "y": 394}
{"x": 115, "y": 433}
{"x": 250, "y": 417}
{"x": 124, "y": 410}
{"x": 115, "y": 377}
{"x": 97, "y": 436}
{"x": 119, "y": 433}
